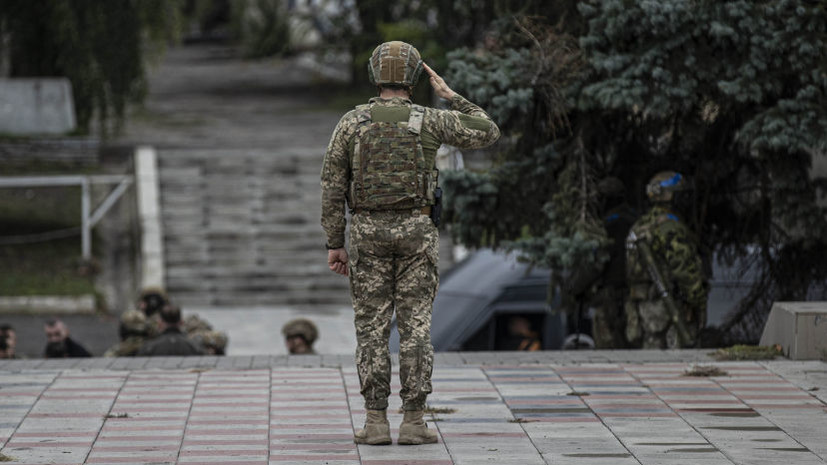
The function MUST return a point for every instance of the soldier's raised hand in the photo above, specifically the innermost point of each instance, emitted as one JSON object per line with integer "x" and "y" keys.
{"x": 440, "y": 88}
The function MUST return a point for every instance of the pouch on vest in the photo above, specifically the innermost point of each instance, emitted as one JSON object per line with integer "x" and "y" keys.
{"x": 388, "y": 167}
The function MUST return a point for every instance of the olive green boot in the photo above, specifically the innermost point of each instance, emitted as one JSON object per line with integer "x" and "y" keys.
{"x": 413, "y": 429}
{"x": 377, "y": 430}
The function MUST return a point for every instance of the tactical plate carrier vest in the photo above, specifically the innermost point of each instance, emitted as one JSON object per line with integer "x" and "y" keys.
{"x": 388, "y": 170}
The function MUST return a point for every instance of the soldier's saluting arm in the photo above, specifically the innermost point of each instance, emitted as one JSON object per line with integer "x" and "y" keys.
{"x": 466, "y": 125}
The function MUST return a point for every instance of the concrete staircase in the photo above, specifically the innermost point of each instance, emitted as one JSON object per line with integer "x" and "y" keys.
{"x": 241, "y": 228}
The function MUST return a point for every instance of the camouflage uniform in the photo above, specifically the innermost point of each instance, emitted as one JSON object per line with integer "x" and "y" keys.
{"x": 675, "y": 252}
{"x": 134, "y": 329}
{"x": 609, "y": 320}
{"x": 394, "y": 253}
{"x": 603, "y": 286}
{"x": 193, "y": 324}
{"x": 213, "y": 342}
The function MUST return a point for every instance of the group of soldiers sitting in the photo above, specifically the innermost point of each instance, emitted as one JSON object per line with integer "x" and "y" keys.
{"x": 157, "y": 328}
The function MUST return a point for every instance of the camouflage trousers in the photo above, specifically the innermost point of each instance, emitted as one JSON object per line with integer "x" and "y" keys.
{"x": 609, "y": 320}
{"x": 393, "y": 267}
{"x": 648, "y": 324}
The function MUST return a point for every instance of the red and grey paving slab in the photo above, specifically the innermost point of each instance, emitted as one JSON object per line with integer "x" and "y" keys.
{"x": 498, "y": 411}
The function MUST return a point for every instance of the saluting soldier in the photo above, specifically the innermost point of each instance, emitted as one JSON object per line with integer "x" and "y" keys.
{"x": 381, "y": 162}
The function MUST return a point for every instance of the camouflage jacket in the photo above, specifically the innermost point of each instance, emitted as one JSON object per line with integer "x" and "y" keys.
{"x": 465, "y": 125}
{"x": 126, "y": 348}
{"x": 676, "y": 250}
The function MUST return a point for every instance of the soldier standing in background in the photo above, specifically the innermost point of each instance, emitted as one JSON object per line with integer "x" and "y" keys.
{"x": 668, "y": 290}
{"x": 603, "y": 287}
{"x": 381, "y": 161}
{"x": 609, "y": 318}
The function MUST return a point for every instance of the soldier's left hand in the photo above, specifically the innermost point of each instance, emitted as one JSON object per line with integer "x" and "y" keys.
{"x": 337, "y": 261}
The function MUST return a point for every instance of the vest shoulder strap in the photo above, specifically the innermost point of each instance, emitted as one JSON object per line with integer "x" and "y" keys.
{"x": 415, "y": 119}
{"x": 363, "y": 113}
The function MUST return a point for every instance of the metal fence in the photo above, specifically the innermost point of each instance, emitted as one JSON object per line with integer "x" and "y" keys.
{"x": 89, "y": 218}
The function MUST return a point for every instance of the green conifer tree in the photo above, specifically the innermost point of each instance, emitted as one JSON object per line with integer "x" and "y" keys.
{"x": 731, "y": 93}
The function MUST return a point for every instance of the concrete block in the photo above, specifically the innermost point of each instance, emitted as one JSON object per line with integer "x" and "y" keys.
{"x": 152, "y": 249}
{"x": 799, "y": 327}
{"x": 47, "y": 305}
{"x": 36, "y": 106}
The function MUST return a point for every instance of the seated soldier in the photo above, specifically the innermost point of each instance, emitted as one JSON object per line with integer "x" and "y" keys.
{"x": 150, "y": 302}
{"x": 299, "y": 336}
{"x": 171, "y": 341}
{"x": 214, "y": 342}
{"x": 133, "y": 333}
{"x": 193, "y": 324}
{"x": 4, "y": 348}
{"x": 9, "y": 335}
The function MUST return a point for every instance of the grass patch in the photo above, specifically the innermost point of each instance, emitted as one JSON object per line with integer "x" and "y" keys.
{"x": 521, "y": 420}
{"x": 747, "y": 352}
{"x": 49, "y": 268}
{"x": 35, "y": 210}
{"x": 578, "y": 394}
{"x": 48, "y": 168}
{"x": 6, "y": 458}
{"x": 705, "y": 371}
{"x": 44, "y": 268}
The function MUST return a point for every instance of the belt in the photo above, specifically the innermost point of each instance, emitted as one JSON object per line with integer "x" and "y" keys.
{"x": 414, "y": 211}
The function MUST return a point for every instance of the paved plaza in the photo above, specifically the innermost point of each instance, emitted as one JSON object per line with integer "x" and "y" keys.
{"x": 589, "y": 407}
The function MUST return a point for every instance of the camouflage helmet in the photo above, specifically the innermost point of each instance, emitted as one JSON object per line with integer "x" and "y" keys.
{"x": 134, "y": 322}
{"x": 153, "y": 299}
{"x": 395, "y": 63}
{"x": 215, "y": 340}
{"x": 662, "y": 186}
{"x": 611, "y": 187}
{"x": 301, "y": 327}
{"x": 194, "y": 324}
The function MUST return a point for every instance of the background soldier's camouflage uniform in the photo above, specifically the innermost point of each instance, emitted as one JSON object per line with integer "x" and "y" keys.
{"x": 134, "y": 329}
{"x": 394, "y": 253}
{"x": 676, "y": 251}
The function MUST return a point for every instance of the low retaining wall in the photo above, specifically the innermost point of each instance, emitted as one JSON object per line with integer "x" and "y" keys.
{"x": 47, "y": 305}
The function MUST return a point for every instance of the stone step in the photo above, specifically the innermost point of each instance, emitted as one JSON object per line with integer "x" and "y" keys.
{"x": 242, "y": 227}
{"x": 254, "y": 256}
{"x": 316, "y": 270}
{"x": 293, "y": 298}
{"x": 221, "y": 285}
{"x": 263, "y": 250}
{"x": 231, "y": 231}
{"x": 178, "y": 157}
{"x": 220, "y": 182}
